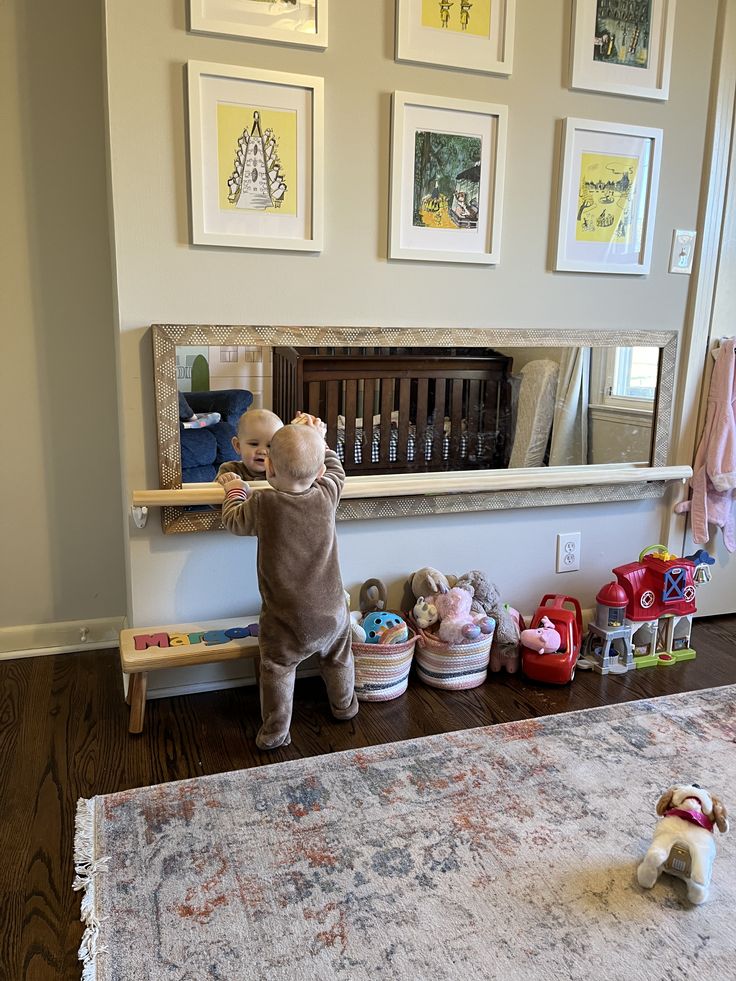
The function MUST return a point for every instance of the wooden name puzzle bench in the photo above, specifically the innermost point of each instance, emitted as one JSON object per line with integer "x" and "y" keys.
{"x": 144, "y": 649}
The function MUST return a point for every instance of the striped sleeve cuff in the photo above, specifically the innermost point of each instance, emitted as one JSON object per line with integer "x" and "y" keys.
{"x": 236, "y": 494}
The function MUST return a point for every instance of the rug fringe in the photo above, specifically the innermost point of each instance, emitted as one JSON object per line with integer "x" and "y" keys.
{"x": 87, "y": 868}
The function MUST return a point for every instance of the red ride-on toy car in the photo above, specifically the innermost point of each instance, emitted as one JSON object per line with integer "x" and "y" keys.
{"x": 557, "y": 668}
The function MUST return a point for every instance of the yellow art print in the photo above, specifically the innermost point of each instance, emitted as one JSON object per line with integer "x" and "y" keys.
{"x": 256, "y": 159}
{"x": 606, "y": 190}
{"x": 461, "y": 16}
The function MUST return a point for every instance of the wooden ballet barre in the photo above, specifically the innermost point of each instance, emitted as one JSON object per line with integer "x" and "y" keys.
{"x": 462, "y": 482}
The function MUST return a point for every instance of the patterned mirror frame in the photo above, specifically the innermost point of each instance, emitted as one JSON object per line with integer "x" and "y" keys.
{"x": 166, "y": 337}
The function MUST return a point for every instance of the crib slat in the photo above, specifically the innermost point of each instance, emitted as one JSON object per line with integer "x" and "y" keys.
{"x": 332, "y": 408}
{"x": 473, "y": 420}
{"x": 490, "y": 423}
{"x": 350, "y": 411}
{"x": 369, "y": 397}
{"x": 314, "y": 392}
{"x": 387, "y": 405}
{"x": 438, "y": 428}
{"x": 454, "y": 460}
{"x": 420, "y": 452}
{"x": 404, "y": 409}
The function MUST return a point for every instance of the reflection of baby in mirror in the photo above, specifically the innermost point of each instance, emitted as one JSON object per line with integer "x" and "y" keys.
{"x": 303, "y": 602}
{"x": 252, "y": 441}
{"x": 256, "y": 429}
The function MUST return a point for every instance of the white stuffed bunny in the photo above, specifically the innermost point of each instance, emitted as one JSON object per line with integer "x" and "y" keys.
{"x": 424, "y": 613}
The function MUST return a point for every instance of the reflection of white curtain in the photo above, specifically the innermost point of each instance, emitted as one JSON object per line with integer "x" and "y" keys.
{"x": 533, "y": 410}
{"x": 570, "y": 427}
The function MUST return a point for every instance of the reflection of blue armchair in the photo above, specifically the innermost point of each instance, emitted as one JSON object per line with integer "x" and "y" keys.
{"x": 203, "y": 450}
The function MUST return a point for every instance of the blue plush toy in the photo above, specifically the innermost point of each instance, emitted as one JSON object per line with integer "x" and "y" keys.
{"x": 383, "y": 627}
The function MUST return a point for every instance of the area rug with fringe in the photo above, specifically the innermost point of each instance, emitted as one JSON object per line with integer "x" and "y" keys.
{"x": 505, "y": 852}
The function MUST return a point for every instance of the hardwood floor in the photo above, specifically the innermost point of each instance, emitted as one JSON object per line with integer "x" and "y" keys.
{"x": 63, "y": 735}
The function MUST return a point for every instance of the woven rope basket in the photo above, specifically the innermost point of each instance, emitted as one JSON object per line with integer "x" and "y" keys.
{"x": 382, "y": 670}
{"x": 452, "y": 666}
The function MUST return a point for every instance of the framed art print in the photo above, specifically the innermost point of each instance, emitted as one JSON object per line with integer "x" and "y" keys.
{"x": 623, "y": 46}
{"x": 447, "y": 172}
{"x": 286, "y": 21}
{"x": 473, "y": 34}
{"x": 256, "y": 157}
{"x": 608, "y": 197}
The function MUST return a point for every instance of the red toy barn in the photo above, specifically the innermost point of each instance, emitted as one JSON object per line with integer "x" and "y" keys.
{"x": 656, "y": 587}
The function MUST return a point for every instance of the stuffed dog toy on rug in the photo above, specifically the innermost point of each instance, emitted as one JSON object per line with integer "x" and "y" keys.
{"x": 684, "y": 843}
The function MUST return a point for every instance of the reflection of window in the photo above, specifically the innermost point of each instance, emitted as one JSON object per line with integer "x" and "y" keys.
{"x": 632, "y": 373}
{"x": 228, "y": 354}
{"x": 625, "y": 377}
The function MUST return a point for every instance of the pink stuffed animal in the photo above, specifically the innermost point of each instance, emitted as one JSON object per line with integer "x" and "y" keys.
{"x": 457, "y": 624}
{"x": 543, "y": 639}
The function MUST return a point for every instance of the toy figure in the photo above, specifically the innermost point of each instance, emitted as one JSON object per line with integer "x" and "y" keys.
{"x": 683, "y": 843}
{"x": 543, "y": 639}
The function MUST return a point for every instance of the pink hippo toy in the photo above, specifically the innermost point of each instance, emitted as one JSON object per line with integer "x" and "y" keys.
{"x": 543, "y": 639}
{"x": 457, "y": 624}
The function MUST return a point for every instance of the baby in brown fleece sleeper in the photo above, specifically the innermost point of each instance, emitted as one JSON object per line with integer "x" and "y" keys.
{"x": 304, "y": 611}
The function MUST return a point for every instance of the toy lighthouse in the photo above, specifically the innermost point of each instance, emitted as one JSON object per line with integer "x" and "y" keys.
{"x": 609, "y": 635}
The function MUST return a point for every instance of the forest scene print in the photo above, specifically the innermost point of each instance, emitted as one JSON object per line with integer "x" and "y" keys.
{"x": 447, "y": 178}
{"x": 622, "y": 29}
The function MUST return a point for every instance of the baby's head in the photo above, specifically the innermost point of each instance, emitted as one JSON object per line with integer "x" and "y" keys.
{"x": 256, "y": 428}
{"x": 296, "y": 459}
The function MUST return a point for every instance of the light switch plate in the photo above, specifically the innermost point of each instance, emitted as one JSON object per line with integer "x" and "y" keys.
{"x": 683, "y": 250}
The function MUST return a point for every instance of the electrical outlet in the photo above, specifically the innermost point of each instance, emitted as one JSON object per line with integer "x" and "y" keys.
{"x": 568, "y": 551}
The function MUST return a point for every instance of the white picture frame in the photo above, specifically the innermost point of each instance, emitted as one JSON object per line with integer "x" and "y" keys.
{"x": 640, "y": 49}
{"x": 239, "y": 119}
{"x": 303, "y": 22}
{"x": 450, "y": 208}
{"x": 608, "y": 195}
{"x": 476, "y": 36}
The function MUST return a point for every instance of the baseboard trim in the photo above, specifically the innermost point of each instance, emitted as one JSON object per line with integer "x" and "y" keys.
{"x": 63, "y": 637}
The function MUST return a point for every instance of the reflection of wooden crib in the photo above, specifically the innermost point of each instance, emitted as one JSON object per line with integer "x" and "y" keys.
{"x": 432, "y": 408}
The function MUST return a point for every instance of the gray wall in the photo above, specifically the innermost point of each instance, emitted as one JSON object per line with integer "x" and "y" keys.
{"x": 161, "y": 278}
{"x": 62, "y": 542}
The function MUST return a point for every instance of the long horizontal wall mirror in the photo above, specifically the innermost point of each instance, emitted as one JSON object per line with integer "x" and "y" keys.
{"x": 425, "y": 420}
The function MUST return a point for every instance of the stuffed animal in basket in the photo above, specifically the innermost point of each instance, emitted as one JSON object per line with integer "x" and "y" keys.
{"x": 428, "y": 582}
{"x": 424, "y": 613}
{"x": 684, "y": 844}
{"x": 487, "y": 599}
{"x": 457, "y": 624}
{"x": 544, "y": 639}
{"x": 372, "y": 596}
